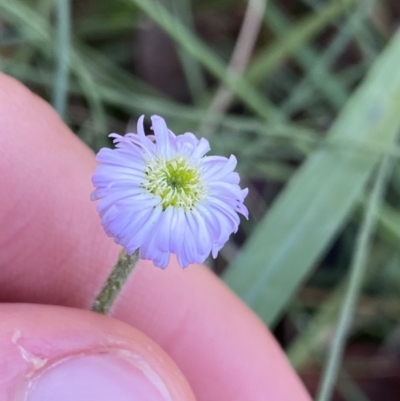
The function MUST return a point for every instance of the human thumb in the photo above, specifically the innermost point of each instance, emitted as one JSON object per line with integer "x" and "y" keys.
{"x": 57, "y": 353}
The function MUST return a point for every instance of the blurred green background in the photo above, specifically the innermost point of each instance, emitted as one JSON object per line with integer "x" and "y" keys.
{"x": 306, "y": 94}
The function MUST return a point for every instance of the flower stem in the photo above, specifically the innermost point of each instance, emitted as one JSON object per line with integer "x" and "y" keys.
{"x": 115, "y": 282}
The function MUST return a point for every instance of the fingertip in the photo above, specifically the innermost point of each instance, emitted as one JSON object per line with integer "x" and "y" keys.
{"x": 64, "y": 354}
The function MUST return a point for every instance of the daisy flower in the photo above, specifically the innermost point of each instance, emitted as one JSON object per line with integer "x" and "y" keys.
{"x": 161, "y": 194}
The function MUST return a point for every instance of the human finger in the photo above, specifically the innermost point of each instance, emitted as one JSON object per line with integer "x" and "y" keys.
{"x": 54, "y": 251}
{"x": 61, "y": 353}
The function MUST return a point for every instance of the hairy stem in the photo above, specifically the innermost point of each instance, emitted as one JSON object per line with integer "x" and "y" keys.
{"x": 115, "y": 282}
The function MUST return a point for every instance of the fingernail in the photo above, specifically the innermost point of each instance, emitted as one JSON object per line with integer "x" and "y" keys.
{"x": 98, "y": 376}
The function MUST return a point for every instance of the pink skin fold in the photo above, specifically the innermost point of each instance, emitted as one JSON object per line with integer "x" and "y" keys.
{"x": 54, "y": 251}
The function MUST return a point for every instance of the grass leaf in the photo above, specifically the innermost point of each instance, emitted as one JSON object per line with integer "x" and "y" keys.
{"x": 316, "y": 203}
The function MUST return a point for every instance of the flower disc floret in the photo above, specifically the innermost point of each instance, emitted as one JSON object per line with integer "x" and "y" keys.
{"x": 162, "y": 195}
{"x": 177, "y": 182}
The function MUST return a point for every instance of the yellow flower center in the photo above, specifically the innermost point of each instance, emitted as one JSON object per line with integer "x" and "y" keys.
{"x": 176, "y": 182}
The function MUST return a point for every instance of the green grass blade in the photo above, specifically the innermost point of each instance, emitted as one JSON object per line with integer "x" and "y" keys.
{"x": 191, "y": 67}
{"x": 389, "y": 225}
{"x": 355, "y": 283}
{"x": 37, "y": 31}
{"x": 308, "y": 347}
{"x": 273, "y": 55}
{"x": 325, "y": 62}
{"x": 63, "y": 44}
{"x": 307, "y": 215}
{"x": 201, "y": 52}
{"x": 326, "y": 83}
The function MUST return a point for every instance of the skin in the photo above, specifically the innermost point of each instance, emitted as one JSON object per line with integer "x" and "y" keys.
{"x": 54, "y": 251}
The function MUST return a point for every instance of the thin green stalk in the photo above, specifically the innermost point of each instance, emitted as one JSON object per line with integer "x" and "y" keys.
{"x": 325, "y": 61}
{"x": 307, "y": 57}
{"x": 24, "y": 54}
{"x": 361, "y": 33}
{"x": 114, "y": 283}
{"x": 355, "y": 282}
{"x": 200, "y": 51}
{"x": 272, "y": 56}
{"x": 310, "y": 343}
{"x": 349, "y": 389}
{"x": 191, "y": 67}
{"x": 37, "y": 31}
{"x": 63, "y": 46}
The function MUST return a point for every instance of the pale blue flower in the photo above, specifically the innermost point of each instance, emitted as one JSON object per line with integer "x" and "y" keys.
{"x": 162, "y": 195}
